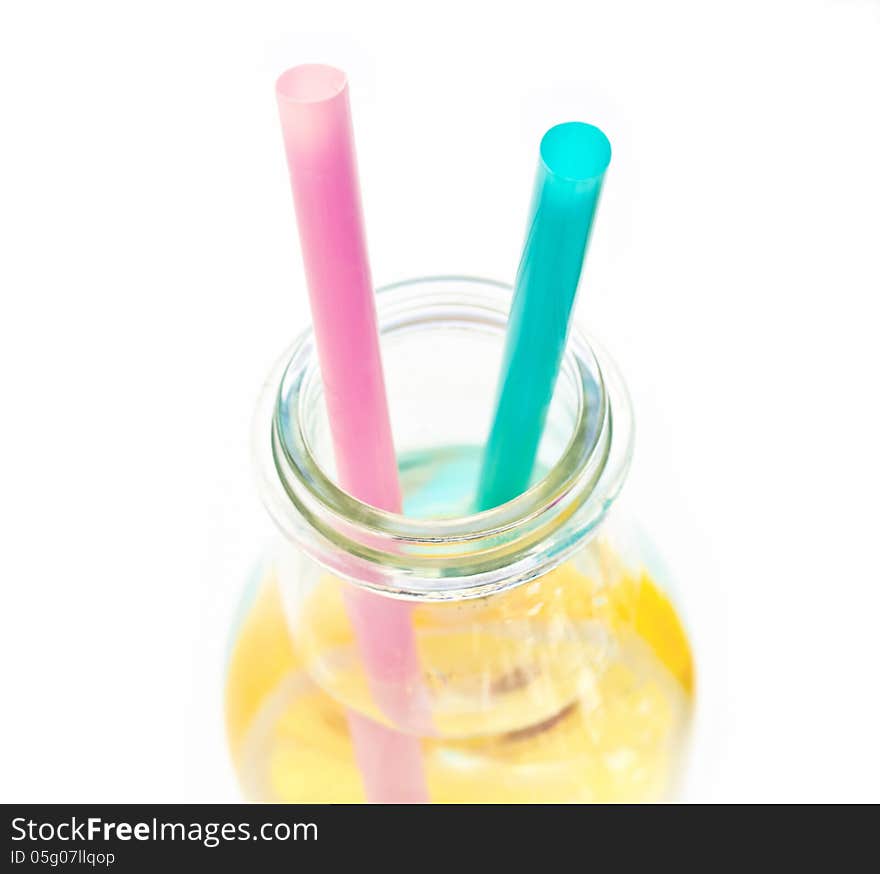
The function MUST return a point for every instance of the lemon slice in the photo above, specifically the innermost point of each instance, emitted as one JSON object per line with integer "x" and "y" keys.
{"x": 556, "y": 691}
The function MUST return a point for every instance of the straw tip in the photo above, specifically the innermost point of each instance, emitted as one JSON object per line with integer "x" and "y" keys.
{"x": 310, "y": 83}
{"x": 576, "y": 151}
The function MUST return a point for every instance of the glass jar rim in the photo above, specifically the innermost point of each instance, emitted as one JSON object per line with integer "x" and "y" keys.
{"x": 464, "y": 556}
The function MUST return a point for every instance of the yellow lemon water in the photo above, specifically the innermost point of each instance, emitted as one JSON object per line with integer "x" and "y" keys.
{"x": 560, "y": 690}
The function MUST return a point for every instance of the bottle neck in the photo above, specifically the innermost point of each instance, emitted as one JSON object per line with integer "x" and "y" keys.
{"x": 435, "y": 326}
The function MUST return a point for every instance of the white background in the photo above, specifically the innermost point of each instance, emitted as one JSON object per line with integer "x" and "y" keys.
{"x": 149, "y": 275}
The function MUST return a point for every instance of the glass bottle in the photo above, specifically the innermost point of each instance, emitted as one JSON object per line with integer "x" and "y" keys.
{"x": 553, "y": 665}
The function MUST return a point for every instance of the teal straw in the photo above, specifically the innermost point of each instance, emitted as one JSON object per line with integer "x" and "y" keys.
{"x": 574, "y": 157}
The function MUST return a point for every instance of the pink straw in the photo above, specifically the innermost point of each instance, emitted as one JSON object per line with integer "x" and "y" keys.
{"x": 318, "y": 139}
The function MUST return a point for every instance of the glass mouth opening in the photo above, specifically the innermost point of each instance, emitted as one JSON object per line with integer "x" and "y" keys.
{"x": 441, "y": 343}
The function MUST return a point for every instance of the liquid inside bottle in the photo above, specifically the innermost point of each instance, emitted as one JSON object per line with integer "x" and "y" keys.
{"x": 574, "y": 687}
